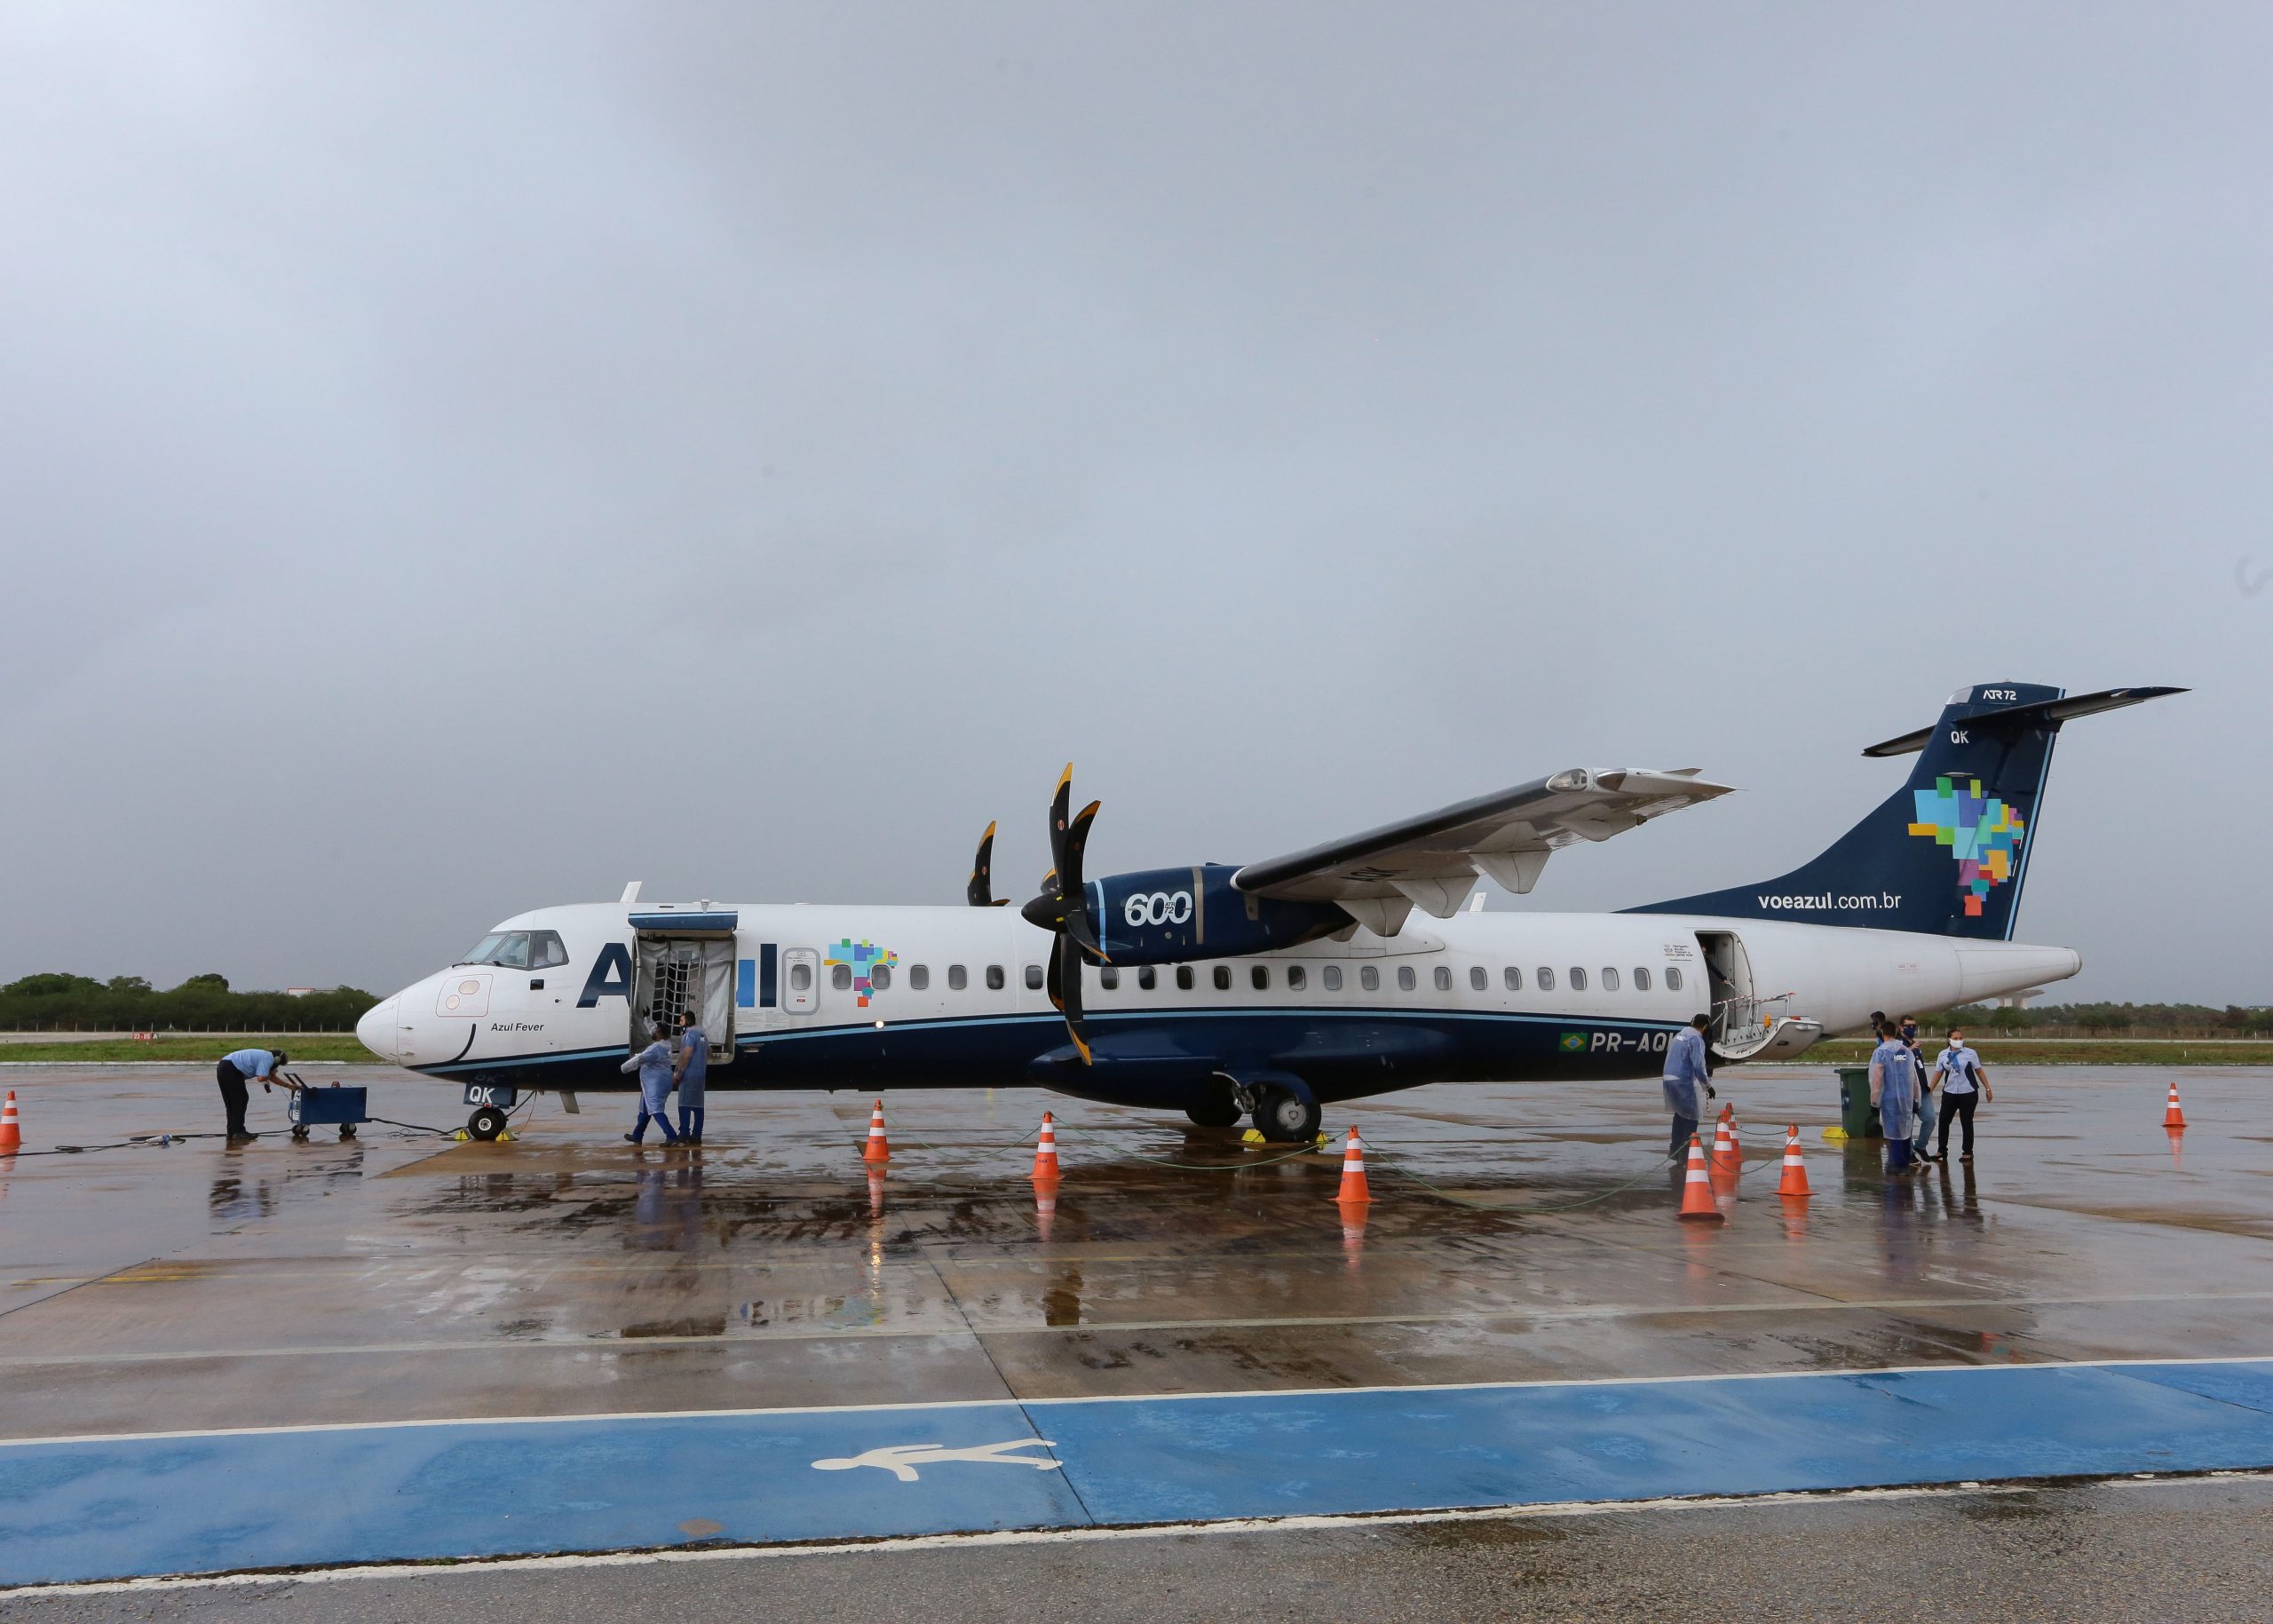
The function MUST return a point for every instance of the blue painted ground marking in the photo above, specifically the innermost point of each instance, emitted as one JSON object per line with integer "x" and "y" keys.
{"x": 117, "y": 1507}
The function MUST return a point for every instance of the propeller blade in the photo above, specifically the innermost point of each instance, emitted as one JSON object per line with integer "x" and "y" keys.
{"x": 1059, "y": 803}
{"x": 1062, "y": 908}
{"x": 981, "y": 889}
{"x": 1066, "y": 993}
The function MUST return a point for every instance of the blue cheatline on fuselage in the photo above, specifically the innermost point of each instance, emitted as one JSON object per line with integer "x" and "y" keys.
{"x": 1167, "y": 1062}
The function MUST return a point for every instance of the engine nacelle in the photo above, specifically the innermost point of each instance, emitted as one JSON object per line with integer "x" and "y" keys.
{"x": 1164, "y": 916}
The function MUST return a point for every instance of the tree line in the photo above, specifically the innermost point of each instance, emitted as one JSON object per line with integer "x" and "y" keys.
{"x": 2108, "y": 1020}
{"x": 60, "y": 1002}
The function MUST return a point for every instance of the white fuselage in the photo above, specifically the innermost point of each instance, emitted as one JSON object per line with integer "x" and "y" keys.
{"x": 962, "y": 1002}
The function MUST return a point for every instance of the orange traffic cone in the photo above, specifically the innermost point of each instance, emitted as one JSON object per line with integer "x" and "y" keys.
{"x": 1353, "y": 1171}
{"x": 1697, "y": 1187}
{"x": 1045, "y": 1154}
{"x": 878, "y": 1148}
{"x": 2173, "y": 1117}
{"x": 11, "y": 1132}
{"x": 1795, "y": 1167}
{"x": 1724, "y": 1152}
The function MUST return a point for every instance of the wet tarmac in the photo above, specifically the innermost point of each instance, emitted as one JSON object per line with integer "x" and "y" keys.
{"x": 1518, "y": 1235}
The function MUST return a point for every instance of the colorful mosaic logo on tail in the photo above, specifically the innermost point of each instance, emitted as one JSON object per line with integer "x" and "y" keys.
{"x": 864, "y": 958}
{"x": 1980, "y": 831}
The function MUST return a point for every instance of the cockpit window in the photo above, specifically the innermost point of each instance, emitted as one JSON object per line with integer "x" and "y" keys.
{"x": 509, "y": 948}
{"x": 546, "y": 949}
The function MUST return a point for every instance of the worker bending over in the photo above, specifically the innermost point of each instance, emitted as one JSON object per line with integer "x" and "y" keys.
{"x": 235, "y": 1070}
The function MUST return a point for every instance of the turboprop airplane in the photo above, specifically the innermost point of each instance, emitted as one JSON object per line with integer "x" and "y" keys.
{"x": 1268, "y": 989}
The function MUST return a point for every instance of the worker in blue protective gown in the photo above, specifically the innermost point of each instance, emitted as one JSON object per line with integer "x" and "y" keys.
{"x": 1894, "y": 1091}
{"x": 654, "y": 1064}
{"x": 1688, "y": 1082}
{"x": 694, "y": 1073}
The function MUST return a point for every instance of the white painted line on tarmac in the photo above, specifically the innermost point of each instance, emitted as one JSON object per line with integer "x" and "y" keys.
{"x": 1803, "y": 1302}
{"x": 1080, "y": 1536}
{"x": 2039, "y": 1366}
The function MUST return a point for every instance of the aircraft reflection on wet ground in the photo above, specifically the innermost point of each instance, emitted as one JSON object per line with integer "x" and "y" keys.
{"x": 1519, "y": 1235}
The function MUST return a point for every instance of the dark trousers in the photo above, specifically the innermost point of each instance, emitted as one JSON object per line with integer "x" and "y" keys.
{"x": 232, "y": 1094}
{"x": 1683, "y": 1127}
{"x": 1958, "y": 1105}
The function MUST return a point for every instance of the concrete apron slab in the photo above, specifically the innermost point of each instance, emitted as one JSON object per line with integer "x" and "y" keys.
{"x": 100, "y": 1508}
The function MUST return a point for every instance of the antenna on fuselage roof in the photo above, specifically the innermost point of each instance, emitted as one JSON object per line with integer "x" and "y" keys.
{"x": 631, "y": 892}
{"x": 1476, "y": 903}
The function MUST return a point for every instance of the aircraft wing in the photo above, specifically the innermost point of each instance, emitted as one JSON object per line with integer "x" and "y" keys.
{"x": 1433, "y": 860}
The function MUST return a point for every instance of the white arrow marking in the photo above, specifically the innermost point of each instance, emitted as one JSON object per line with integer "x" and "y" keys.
{"x": 902, "y": 1459}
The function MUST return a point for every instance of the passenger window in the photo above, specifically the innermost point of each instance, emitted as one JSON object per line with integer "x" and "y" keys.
{"x": 1033, "y": 978}
{"x": 1444, "y": 977}
{"x": 1405, "y": 977}
{"x": 1512, "y": 978}
{"x": 879, "y": 976}
{"x": 545, "y": 950}
{"x": 958, "y": 977}
{"x": 1222, "y": 978}
{"x": 840, "y": 977}
{"x": 1332, "y": 976}
{"x": 1609, "y": 979}
{"x": 1184, "y": 978}
{"x": 1260, "y": 975}
{"x": 1147, "y": 978}
{"x": 1673, "y": 980}
{"x": 1369, "y": 976}
{"x": 1109, "y": 978}
{"x": 919, "y": 976}
{"x": 1578, "y": 979}
{"x": 1640, "y": 979}
{"x": 993, "y": 977}
{"x": 1295, "y": 977}
{"x": 801, "y": 977}
{"x": 1477, "y": 980}
{"x": 1545, "y": 979}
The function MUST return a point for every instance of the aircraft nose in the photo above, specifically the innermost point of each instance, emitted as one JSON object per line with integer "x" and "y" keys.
{"x": 377, "y": 1030}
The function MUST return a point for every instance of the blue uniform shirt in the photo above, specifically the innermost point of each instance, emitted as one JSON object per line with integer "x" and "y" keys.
{"x": 252, "y": 1062}
{"x": 698, "y": 1058}
{"x": 1959, "y": 1069}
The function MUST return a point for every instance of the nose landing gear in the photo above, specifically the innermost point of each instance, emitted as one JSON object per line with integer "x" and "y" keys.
{"x": 485, "y": 1124}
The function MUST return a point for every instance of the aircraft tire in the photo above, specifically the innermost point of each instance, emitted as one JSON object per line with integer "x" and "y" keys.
{"x": 1283, "y": 1118}
{"x": 485, "y": 1124}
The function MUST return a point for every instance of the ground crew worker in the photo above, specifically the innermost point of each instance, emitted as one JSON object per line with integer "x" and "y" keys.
{"x": 694, "y": 1073}
{"x": 654, "y": 1064}
{"x": 1964, "y": 1086}
{"x": 1894, "y": 1091}
{"x": 1924, "y": 1134}
{"x": 235, "y": 1070}
{"x": 1687, "y": 1083}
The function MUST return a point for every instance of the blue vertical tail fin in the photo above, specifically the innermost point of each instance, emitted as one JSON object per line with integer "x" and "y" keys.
{"x": 1946, "y": 854}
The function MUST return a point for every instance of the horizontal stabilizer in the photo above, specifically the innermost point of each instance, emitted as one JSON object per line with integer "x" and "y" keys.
{"x": 2044, "y": 713}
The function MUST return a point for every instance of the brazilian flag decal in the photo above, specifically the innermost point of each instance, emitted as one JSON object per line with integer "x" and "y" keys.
{"x": 1573, "y": 1042}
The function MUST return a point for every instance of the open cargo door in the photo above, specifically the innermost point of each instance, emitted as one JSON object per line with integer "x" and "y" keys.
{"x": 684, "y": 964}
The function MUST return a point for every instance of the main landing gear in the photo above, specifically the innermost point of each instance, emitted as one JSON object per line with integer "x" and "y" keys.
{"x": 1285, "y": 1117}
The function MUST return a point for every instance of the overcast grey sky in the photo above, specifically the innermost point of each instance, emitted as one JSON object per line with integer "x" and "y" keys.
{"x": 455, "y": 459}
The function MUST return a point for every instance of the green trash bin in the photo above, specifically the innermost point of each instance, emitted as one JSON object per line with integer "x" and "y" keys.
{"x": 1857, "y": 1115}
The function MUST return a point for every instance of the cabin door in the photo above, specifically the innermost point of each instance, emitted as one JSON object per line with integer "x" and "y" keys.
{"x": 686, "y": 975}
